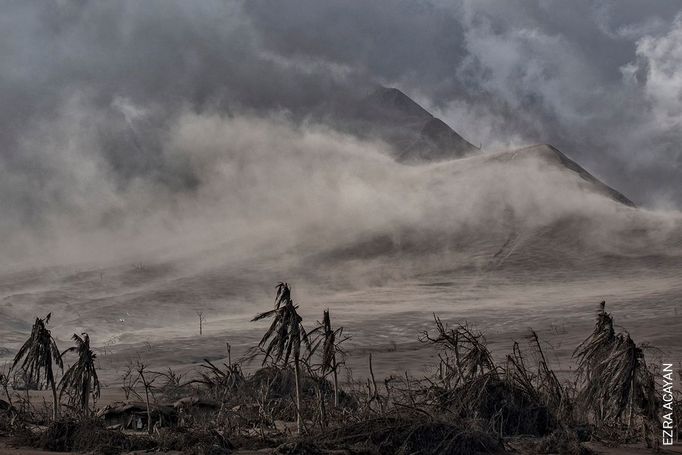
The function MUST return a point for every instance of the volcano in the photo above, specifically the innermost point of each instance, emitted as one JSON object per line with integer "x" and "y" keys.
{"x": 383, "y": 236}
{"x": 414, "y": 134}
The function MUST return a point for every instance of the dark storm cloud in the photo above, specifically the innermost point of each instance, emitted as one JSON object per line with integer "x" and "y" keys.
{"x": 90, "y": 92}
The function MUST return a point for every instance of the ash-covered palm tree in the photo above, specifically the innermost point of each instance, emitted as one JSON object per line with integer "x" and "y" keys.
{"x": 39, "y": 352}
{"x": 469, "y": 348}
{"x": 598, "y": 345}
{"x": 282, "y": 341}
{"x": 615, "y": 374}
{"x": 627, "y": 380}
{"x": 80, "y": 380}
{"x": 329, "y": 339}
{"x": 591, "y": 353}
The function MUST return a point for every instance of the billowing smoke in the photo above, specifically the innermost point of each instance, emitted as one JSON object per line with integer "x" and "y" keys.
{"x": 134, "y": 126}
{"x": 592, "y": 79}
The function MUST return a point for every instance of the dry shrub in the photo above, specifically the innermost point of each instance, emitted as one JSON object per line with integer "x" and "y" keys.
{"x": 298, "y": 448}
{"x": 277, "y": 382}
{"x": 408, "y": 435}
{"x": 512, "y": 400}
{"x": 562, "y": 442}
{"x": 23, "y": 436}
{"x": 275, "y": 387}
{"x": 249, "y": 442}
{"x": 510, "y": 409}
{"x": 219, "y": 382}
{"x": 88, "y": 435}
{"x": 173, "y": 387}
{"x": 193, "y": 441}
{"x": 5, "y": 423}
{"x": 444, "y": 438}
{"x": 281, "y": 383}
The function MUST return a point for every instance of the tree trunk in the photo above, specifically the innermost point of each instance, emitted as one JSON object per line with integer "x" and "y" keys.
{"x": 375, "y": 392}
{"x": 55, "y": 401}
{"x": 631, "y": 403}
{"x": 336, "y": 384}
{"x": 322, "y": 408}
{"x": 86, "y": 398}
{"x": 149, "y": 411}
{"x": 297, "y": 375}
{"x": 9, "y": 397}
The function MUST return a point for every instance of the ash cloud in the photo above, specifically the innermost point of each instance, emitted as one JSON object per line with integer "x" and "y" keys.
{"x": 141, "y": 121}
{"x": 518, "y": 72}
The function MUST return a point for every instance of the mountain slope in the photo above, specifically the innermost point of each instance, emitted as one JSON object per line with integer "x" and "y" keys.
{"x": 553, "y": 155}
{"x": 524, "y": 210}
{"x": 415, "y": 135}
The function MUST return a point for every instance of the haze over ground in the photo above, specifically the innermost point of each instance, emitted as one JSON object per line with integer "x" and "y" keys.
{"x": 160, "y": 158}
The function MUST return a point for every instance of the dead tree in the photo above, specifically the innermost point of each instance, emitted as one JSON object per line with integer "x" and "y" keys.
{"x": 147, "y": 384}
{"x": 202, "y": 319}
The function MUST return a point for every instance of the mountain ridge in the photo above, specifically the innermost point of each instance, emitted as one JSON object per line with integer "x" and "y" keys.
{"x": 415, "y": 135}
{"x": 420, "y": 137}
{"x": 554, "y": 153}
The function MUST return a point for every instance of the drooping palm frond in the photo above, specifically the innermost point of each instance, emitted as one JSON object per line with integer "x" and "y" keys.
{"x": 80, "y": 381}
{"x": 330, "y": 340}
{"x": 619, "y": 371}
{"x": 283, "y": 294}
{"x": 282, "y": 341}
{"x": 597, "y": 346}
{"x": 521, "y": 376}
{"x": 590, "y": 354}
{"x": 264, "y": 315}
{"x": 627, "y": 382}
{"x": 220, "y": 382}
{"x": 39, "y": 352}
{"x": 329, "y": 344}
{"x": 285, "y": 335}
{"x": 548, "y": 385}
{"x": 472, "y": 358}
{"x": 615, "y": 375}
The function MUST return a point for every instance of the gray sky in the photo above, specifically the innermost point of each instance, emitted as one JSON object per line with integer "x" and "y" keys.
{"x": 90, "y": 91}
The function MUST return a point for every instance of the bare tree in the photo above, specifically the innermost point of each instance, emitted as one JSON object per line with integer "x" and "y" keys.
{"x": 138, "y": 373}
{"x": 147, "y": 383}
{"x": 202, "y": 319}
